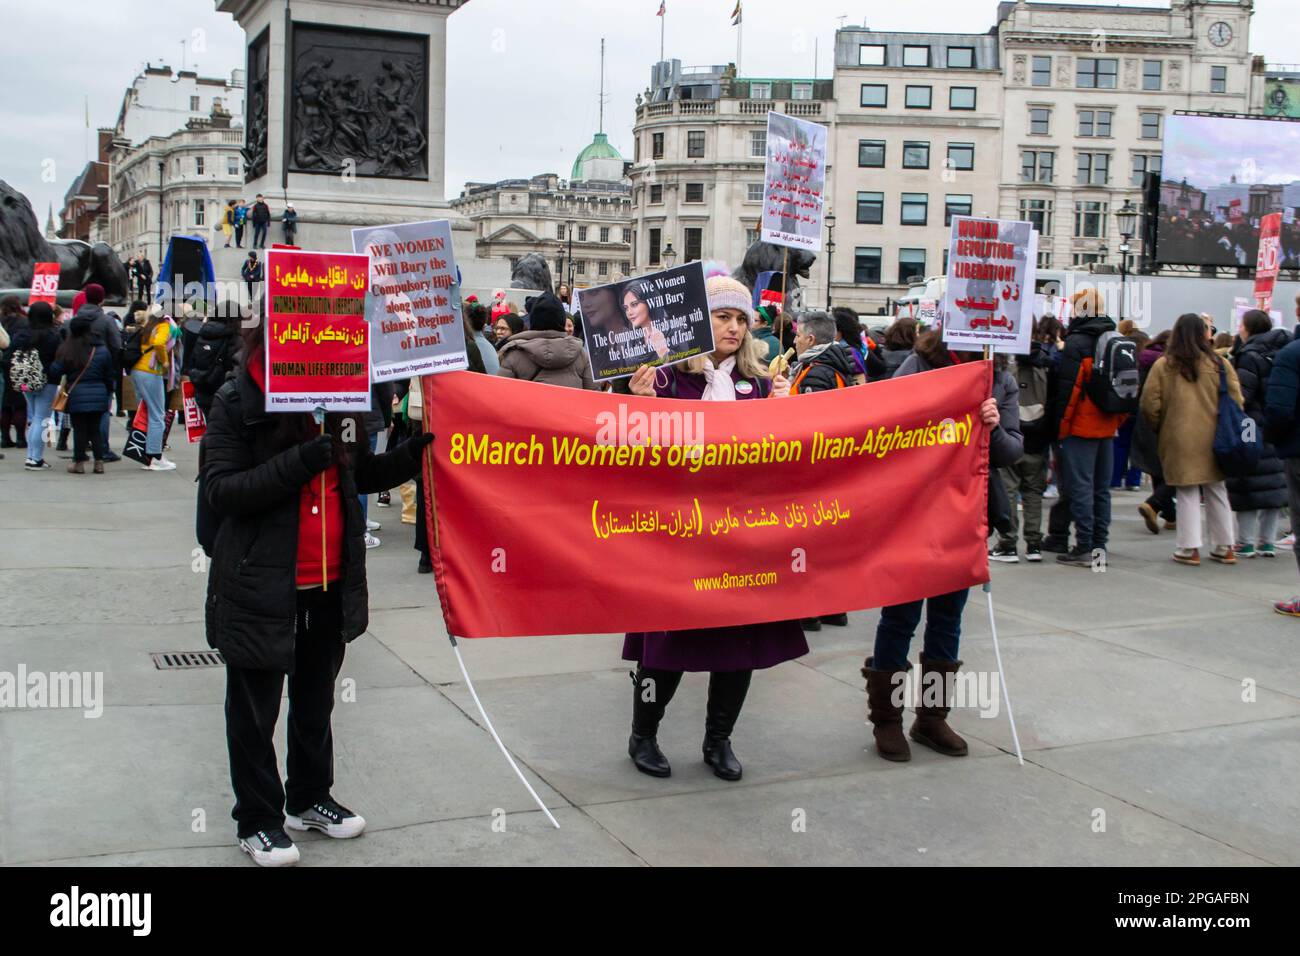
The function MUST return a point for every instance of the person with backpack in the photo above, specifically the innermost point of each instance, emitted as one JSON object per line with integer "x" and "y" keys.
{"x": 152, "y": 361}
{"x": 212, "y": 358}
{"x": 1096, "y": 386}
{"x": 228, "y": 221}
{"x": 13, "y": 409}
{"x": 240, "y": 217}
{"x": 90, "y": 372}
{"x": 1181, "y": 404}
{"x": 1027, "y": 477}
{"x": 282, "y": 602}
{"x": 863, "y": 351}
{"x": 823, "y": 363}
{"x": 32, "y": 353}
{"x": 1257, "y": 499}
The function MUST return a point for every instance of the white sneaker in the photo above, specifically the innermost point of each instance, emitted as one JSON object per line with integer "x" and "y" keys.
{"x": 270, "y": 848}
{"x": 330, "y": 818}
{"x": 372, "y": 541}
{"x": 1287, "y": 543}
{"x": 1051, "y": 492}
{"x": 372, "y": 525}
{"x": 160, "y": 464}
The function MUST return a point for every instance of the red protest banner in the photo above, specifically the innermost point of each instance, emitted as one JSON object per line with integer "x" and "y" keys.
{"x": 631, "y": 514}
{"x": 317, "y": 337}
{"x": 45, "y": 283}
{"x": 195, "y": 424}
{"x": 1269, "y": 259}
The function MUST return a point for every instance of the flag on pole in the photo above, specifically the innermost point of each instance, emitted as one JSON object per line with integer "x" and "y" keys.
{"x": 663, "y": 5}
{"x": 735, "y": 15}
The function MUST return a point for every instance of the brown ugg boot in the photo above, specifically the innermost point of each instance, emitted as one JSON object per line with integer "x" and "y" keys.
{"x": 76, "y": 468}
{"x": 885, "y": 715}
{"x": 931, "y": 725}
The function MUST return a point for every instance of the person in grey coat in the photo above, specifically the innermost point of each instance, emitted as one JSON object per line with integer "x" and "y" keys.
{"x": 887, "y": 666}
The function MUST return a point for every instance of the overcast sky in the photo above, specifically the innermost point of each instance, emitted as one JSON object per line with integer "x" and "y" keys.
{"x": 522, "y": 75}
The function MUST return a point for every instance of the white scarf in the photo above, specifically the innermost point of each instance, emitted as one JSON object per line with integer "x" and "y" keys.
{"x": 718, "y": 384}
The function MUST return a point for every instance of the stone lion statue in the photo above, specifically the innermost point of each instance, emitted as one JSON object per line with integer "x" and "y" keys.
{"x": 532, "y": 272}
{"x": 80, "y": 263}
{"x": 765, "y": 257}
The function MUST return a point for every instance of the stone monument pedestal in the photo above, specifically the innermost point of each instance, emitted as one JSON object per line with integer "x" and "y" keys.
{"x": 345, "y": 117}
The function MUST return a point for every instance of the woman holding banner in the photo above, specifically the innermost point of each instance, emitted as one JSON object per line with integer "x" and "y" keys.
{"x": 281, "y": 519}
{"x": 735, "y": 371}
{"x": 886, "y": 669}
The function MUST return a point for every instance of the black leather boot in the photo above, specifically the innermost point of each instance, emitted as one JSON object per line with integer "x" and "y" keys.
{"x": 652, "y": 689}
{"x": 727, "y": 690}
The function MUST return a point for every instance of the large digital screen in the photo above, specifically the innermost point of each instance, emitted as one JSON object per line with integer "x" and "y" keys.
{"x": 1220, "y": 175}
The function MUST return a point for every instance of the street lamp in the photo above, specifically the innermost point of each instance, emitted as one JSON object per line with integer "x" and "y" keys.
{"x": 830, "y": 251}
{"x": 669, "y": 254}
{"x": 1126, "y": 216}
{"x": 161, "y": 166}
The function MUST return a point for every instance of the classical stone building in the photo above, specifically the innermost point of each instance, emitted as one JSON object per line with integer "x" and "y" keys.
{"x": 700, "y": 145}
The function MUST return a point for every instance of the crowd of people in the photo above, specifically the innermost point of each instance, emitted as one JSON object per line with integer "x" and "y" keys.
{"x": 238, "y": 216}
{"x": 283, "y": 601}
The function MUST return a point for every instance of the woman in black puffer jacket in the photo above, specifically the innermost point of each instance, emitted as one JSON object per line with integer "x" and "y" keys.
{"x": 1258, "y": 498}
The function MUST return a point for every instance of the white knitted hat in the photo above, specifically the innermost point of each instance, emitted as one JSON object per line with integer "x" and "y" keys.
{"x": 728, "y": 293}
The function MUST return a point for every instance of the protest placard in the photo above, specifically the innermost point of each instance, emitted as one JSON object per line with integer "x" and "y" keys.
{"x": 317, "y": 338}
{"x": 989, "y": 292}
{"x": 1268, "y": 260}
{"x": 45, "y": 283}
{"x": 794, "y": 182}
{"x": 413, "y": 305}
{"x": 656, "y": 319}
{"x": 195, "y": 424}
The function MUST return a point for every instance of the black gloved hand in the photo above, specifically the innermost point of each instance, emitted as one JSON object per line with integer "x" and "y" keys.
{"x": 317, "y": 454}
{"x": 416, "y": 445}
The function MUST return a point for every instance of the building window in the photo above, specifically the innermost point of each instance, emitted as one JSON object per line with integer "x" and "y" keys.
{"x": 760, "y": 91}
{"x": 956, "y": 206}
{"x": 874, "y": 94}
{"x": 1044, "y": 259}
{"x": 695, "y": 192}
{"x": 1042, "y": 71}
{"x": 1152, "y": 74}
{"x": 582, "y": 233}
{"x": 1150, "y": 125}
{"x": 559, "y": 267}
{"x": 917, "y": 97}
{"x": 695, "y": 144}
{"x": 1038, "y": 213}
{"x": 1087, "y": 258}
{"x": 871, "y": 153}
{"x": 1144, "y": 163}
{"x": 1036, "y": 166}
{"x": 916, "y": 56}
{"x": 627, "y": 235}
{"x": 866, "y": 265}
{"x": 961, "y": 156}
{"x": 1040, "y": 121}
{"x": 1218, "y": 79}
{"x": 580, "y": 267}
{"x": 232, "y": 165}
{"x": 656, "y": 236}
{"x": 961, "y": 98}
{"x": 1089, "y": 219}
{"x": 801, "y": 91}
{"x": 871, "y": 54}
{"x": 911, "y": 266}
{"x": 694, "y": 244}
{"x": 194, "y": 104}
{"x": 625, "y": 267}
{"x": 1093, "y": 169}
{"x": 604, "y": 233}
{"x": 753, "y": 192}
{"x": 916, "y": 155}
{"x": 915, "y": 209}
{"x": 602, "y": 267}
{"x": 636, "y": 149}
{"x": 751, "y": 235}
{"x": 961, "y": 58}
{"x": 198, "y": 165}
{"x": 656, "y": 192}
{"x": 758, "y": 143}
{"x": 871, "y": 209}
{"x": 559, "y": 231}
{"x": 200, "y": 209}
{"x": 656, "y": 145}
{"x": 1095, "y": 73}
{"x": 1095, "y": 122}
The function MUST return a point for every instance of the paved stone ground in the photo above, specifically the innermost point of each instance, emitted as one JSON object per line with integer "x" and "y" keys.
{"x": 1127, "y": 687}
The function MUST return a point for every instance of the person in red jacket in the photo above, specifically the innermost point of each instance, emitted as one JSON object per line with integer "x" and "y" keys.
{"x": 1086, "y": 433}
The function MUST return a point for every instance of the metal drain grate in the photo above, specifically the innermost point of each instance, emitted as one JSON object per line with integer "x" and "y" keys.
{"x": 186, "y": 660}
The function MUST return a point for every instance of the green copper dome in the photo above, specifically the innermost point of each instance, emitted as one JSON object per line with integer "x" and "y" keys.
{"x": 599, "y": 149}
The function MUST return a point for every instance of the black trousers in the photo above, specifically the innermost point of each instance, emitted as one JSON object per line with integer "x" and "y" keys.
{"x": 253, "y": 706}
{"x": 85, "y": 429}
{"x": 727, "y": 692}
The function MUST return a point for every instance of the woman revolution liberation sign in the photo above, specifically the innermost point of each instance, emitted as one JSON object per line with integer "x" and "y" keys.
{"x": 643, "y": 514}
{"x": 317, "y": 339}
{"x": 989, "y": 294}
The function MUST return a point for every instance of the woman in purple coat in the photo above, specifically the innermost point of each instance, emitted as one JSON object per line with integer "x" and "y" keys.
{"x": 735, "y": 371}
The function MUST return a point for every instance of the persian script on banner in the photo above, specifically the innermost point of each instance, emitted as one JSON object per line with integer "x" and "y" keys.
{"x": 989, "y": 293}
{"x": 676, "y": 514}
{"x": 795, "y": 182}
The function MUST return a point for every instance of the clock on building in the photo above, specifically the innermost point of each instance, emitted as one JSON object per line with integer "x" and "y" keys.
{"x": 1220, "y": 33}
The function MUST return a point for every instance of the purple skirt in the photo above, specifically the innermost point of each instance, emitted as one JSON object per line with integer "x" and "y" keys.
{"x": 742, "y": 648}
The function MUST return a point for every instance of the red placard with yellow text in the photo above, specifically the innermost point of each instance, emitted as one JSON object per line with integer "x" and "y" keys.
{"x": 317, "y": 337}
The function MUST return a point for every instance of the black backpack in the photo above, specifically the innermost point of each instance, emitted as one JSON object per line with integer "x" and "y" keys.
{"x": 132, "y": 350}
{"x": 208, "y": 366}
{"x": 1113, "y": 386}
